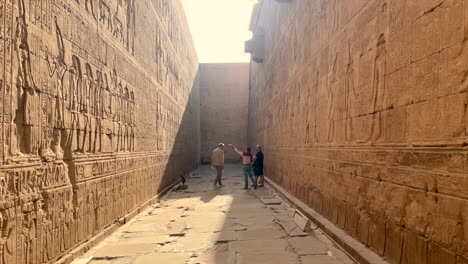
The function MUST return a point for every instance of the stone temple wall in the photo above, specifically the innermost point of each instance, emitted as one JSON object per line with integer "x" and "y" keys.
{"x": 99, "y": 109}
{"x": 224, "y": 92}
{"x": 362, "y": 108}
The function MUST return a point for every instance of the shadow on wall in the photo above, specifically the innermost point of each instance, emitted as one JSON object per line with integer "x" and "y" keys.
{"x": 183, "y": 151}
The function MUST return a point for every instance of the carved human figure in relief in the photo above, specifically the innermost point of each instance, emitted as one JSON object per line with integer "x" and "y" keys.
{"x": 462, "y": 63}
{"x": 106, "y": 99}
{"x": 40, "y": 226}
{"x": 378, "y": 88}
{"x": 131, "y": 26}
{"x": 113, "y": 90}
{"x": 7, "y": 237}
{"x": 104, "y": 15}
{"x": 350, "y": 95}
{"x": 118, "y": 28}
{"x": 88, "y": 83}
{"x": 97, "y": 145}
{"x": 57, "y": 66}
{"x": 331, "y": 93}
{"x": 25, "y": 78}
{"x": 75, "y": 79}
{"x": 119, "y": 116}
{"x": 2, "y": 241}
{"x": 126, "y": 102}
{"x": 28, "y": 235}
{"x": 26, "y": 91}
{"x": 89, "y": 6}
{"x": 132, "y": 122}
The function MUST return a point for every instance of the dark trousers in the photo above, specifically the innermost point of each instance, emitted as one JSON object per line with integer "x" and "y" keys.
{"x": 219, "y": 173}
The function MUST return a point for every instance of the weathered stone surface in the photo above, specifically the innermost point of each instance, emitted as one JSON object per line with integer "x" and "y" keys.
{"x": 260, "y": 234}
{"x": 361, "y": 109}
{"x": 124, "y": 250}
{"x": 320, "y": 260}
{"x": 273, "y": 257}
{"x": 214, "y": 258}
{"x": 169, "y": 258}
{"x": 224, "y": 91}
{"x": 99, "y": 111}
{"x": 308, "y": 246}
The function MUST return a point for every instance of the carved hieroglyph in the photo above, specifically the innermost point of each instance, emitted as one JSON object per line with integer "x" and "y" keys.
{"x": 362, "y": 110}
{"x": 94, "y": 119}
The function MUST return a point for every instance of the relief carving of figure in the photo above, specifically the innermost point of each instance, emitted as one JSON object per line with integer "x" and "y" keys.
{"x": 331, "y": 97}
{"x": 97, "y": 146}
{"x": 125, "y": 123}
{"x": 462, "y": 62}
{"x": 350, "y": 93}
{"x": 2, "y": 241}
{"x": 58, "y": 67}
{"x": 119, "y": 116}
{"x": 7, "y": 237}
{"x": 89, "y": 6}
{"x": 131, "y": 26}
{"x": 118, "y": 28}
{"x": 28, "y": 235}
{"x": 132, "y": 122}
{"x": 27, "y": 99}
{"x": 378, "y": 88}
{"x": 106, "y": 99}
{"x": 75, "y": 89}
{"x": 104, "y": 14}
{"x": 88, "y": 88}
{"x": 113, "y": 88}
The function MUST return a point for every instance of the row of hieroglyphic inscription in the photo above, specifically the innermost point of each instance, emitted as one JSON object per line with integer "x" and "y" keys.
{"x": 101, "y": 168}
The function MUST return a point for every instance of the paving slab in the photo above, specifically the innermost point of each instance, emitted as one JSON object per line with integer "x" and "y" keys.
{"x": 308, "y": 246}
{"x": 271, "y": 201}
{"x": 123, "y": 260}
{"x": 270, "y": 245}
{"x": 208, "y": 225}
{"x": 122, "y": 250}
{"x": 320, "y": 260}
{"x": 260, "y": 234}
{"x": 166, "y": 258}
{"x": 214, "y": 258}
{"x": 225, "y": 236}
{"x": 158, "y": 239}
{"x": 267, "y": 258}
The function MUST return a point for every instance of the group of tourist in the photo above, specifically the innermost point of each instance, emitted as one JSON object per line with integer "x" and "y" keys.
{"x": 249, "y": 162}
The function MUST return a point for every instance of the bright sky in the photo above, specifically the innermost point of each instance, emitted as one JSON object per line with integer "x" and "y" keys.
{"x": 220, "y": 28}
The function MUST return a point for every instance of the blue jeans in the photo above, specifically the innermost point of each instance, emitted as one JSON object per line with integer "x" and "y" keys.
{"x": 247, "y": 175}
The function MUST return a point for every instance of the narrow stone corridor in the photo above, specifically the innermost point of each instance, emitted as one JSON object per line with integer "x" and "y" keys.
{"x": 209, "y": 225}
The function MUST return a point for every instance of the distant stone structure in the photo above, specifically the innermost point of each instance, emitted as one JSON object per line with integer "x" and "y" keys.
{"x": 361, "y": 107}
{"x": 100, "y": 111}
{"x": 224, "y": 91}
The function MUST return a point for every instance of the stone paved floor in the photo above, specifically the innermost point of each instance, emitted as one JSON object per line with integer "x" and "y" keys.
{"x": 209, "y": 225}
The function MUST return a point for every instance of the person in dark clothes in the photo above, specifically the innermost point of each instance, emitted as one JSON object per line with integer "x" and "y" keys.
{"x": 258, "y": 167}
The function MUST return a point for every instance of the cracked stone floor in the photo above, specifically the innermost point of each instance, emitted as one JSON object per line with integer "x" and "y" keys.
{"x": 209, "y": 225}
